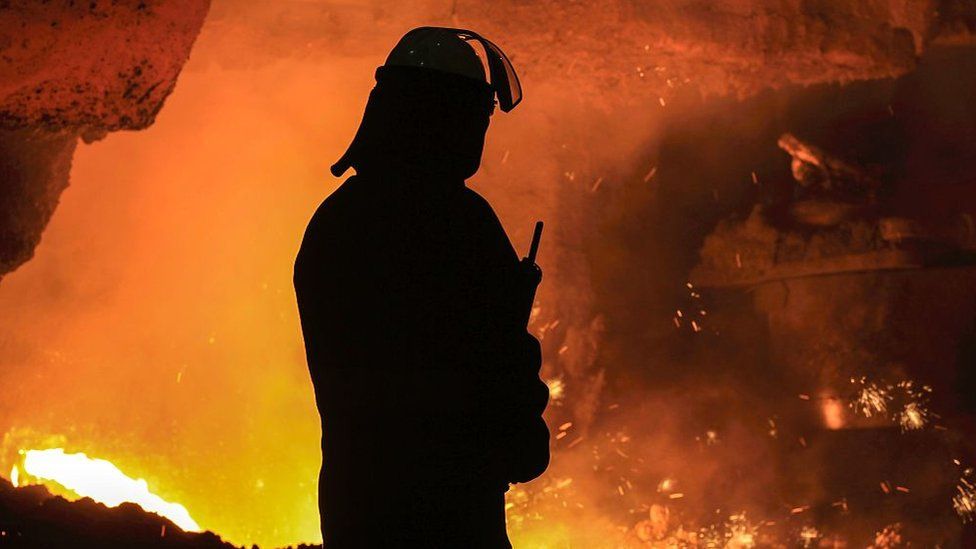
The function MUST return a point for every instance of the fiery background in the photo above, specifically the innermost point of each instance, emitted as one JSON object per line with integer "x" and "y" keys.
{"x": 155, "y": 326}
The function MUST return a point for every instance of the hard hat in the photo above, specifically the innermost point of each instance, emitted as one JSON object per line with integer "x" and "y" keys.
{"x": 449, "y": 50}
{"x": 432, "y": 48}
{"x": 428, "y": 67}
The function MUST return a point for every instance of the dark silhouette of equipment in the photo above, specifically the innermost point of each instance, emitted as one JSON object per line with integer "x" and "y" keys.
{"x": 533, "y": 274}
{"x": 414, "y": 306}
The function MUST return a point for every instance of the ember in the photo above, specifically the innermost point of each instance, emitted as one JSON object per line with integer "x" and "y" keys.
{"x": 964, "y": 501}
{"x": 871, "y": 399}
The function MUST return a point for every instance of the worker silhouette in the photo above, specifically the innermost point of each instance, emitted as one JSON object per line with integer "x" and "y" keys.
{"x": 412, "y": 304}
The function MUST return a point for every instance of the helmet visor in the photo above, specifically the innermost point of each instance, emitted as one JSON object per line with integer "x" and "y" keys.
{"x": 503, "y": 77}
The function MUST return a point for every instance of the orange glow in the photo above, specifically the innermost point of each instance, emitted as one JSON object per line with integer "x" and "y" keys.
{"x": 833, "y": 413}
{"x": 156, "y": 326}
{"x": 163, "y": 331}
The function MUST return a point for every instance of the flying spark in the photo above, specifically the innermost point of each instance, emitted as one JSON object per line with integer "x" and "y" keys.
{"x": 964, "y": 502}
{"x": 872, "y": 399}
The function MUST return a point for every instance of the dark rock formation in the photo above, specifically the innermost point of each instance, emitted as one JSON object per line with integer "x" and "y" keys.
{"x": 96, "y": 66}
{"x": 70, "y": 69}
{"x": 34, "y": 167}
{"x": 31, "y": 517}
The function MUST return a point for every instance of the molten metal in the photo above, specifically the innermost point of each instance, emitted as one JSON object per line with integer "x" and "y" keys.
{"x": 102, "y": 481}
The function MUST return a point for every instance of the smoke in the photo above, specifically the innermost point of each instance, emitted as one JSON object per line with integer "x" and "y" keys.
{"x": 156, "y": 325}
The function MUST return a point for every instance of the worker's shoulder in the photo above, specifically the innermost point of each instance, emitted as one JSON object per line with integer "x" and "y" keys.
{"x": 481, "y": 219}
{"x": 477, "y": 204}
{"x": 331, "y": 220}
{"x": 337, "y": 205}
{"x": 326, "y": 229}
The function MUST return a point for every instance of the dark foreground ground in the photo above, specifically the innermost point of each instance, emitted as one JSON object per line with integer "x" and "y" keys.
{"x": 31, "y": 517}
